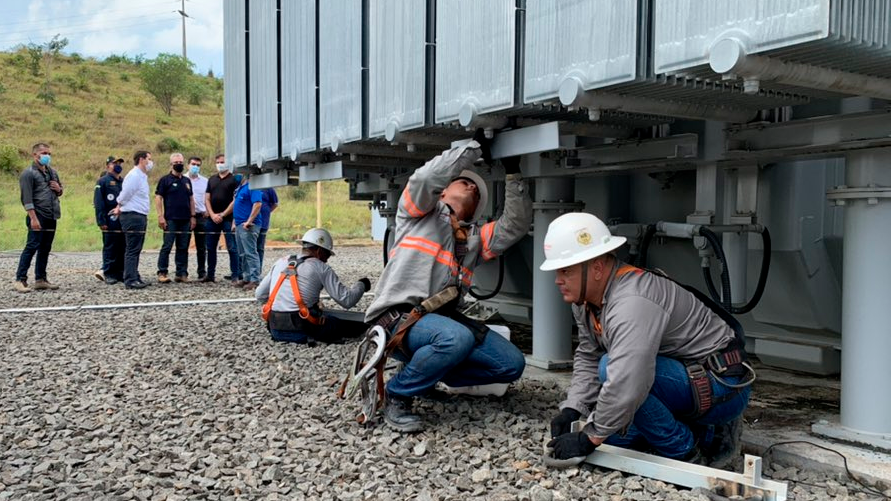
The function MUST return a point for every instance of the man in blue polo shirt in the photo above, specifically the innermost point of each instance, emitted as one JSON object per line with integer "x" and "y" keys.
{"x": 247, "y": 222}
{"x": 270, "y": 203}
{"x": 176, "y": 218}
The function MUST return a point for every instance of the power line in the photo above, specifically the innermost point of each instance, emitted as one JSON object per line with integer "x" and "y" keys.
{"x": 56, "y": 18}
{"x": 98, "y": 22}
{"x": 66, "y": 34}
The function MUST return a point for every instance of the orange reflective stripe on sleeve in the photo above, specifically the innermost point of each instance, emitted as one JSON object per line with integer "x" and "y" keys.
{"x": 486, "y": 235}
{"x": 410, "y": 206}
{"x": 626, "y": 269}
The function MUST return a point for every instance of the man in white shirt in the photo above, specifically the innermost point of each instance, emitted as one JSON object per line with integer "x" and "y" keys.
{"x": 133, "y": 208}
{"x": 199, "y": 189}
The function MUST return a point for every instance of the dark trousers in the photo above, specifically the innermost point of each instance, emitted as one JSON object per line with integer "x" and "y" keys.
{"x": 201, "y": 243}
{"x": 261, "y": 246}
{"x": 334, "y": 330}
{"x": 39, "y": 242}
{"x": 177, "y": 232}
{"x": 114, "y": 247}
{"x": 212, "y": 232}
{"x": 133, "y": 224}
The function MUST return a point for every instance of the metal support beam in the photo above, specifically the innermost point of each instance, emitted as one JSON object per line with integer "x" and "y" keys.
{"x": 545, "y": 137}
{"x": 706, "y": 194}
{"x": 725, "y": 483}
{"x": 272, "y": 179}
{"x": 740, "y": 203}
{"x": 321, "y": 172}
{"x": 865, "y": 292}
{"x": 813, "y": 137}
{"x": 551, "y": 317}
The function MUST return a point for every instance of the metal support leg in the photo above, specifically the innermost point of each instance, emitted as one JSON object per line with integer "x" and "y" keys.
{"x": 741, "y": 191}
{"x": 551, "y": 317}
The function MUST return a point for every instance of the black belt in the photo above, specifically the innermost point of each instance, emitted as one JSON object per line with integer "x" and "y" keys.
{"x": 200, "y": 214}
{"x": 390, "y": 319}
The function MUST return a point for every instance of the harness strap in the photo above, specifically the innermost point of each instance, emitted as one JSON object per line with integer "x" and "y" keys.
{"x": 267, "y": 308}
{"x": 291, "y": 273}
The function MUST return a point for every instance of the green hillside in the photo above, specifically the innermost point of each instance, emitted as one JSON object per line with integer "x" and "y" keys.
{"x": 100, "y": 110}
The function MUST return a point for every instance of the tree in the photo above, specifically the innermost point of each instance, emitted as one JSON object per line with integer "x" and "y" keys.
{"x": 46, "y": 53}
{"x": 166, "y": 78}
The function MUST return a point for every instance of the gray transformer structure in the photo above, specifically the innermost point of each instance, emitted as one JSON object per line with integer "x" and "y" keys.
{"x": 690, "y": 126}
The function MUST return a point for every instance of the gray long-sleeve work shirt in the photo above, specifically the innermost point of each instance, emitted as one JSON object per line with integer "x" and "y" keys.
{"x": 312, "y": 276}
{"x": 36, "y": 193}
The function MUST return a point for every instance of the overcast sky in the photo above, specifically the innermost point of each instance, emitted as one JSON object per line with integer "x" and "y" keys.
{"x": 101, "y": 27}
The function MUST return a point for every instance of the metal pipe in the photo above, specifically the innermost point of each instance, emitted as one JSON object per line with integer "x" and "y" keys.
{"x": 469, "y": 117}
{"x": 572, "y": 94}
{"x": 730, "y": 56}
{"x": 551, "y": 318}
{"x": 686, "y": 230}
{"x": 865, "y": 292}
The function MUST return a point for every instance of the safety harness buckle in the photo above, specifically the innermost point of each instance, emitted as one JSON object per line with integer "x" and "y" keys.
{"x": 702, "y": 388}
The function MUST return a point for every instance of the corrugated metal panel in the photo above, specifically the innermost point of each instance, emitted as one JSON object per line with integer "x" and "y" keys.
{"x": 396, "y": 66}
{"x": 563, "y": 40}
{"x": 340, "y": 71}
{"x": 686, "y": 29}
{"x": 474, "y": 56}
{"x": 264, "y": 82}
{"x": 233, "y": 93}
{"x": 298, "y": 77}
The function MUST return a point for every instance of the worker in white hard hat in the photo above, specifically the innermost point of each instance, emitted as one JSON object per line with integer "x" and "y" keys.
{"x": 439, "y": 240}
{"x": 659, "y": 366}
{"x": 291, "y": 292}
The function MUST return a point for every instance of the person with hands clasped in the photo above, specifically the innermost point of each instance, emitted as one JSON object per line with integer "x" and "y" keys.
{"x": 176, "y": 218}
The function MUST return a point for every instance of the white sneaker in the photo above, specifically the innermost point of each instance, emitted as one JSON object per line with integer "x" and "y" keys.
{"x": 99, "y": 276}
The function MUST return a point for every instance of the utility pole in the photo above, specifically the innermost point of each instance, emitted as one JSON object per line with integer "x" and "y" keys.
{"x": 182, "y": 12}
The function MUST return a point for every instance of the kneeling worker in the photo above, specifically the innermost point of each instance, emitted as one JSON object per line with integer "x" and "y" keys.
{"x": 437, "y": 246}
{"x": 292, "y": 288}
{"x": 658, "y": 366}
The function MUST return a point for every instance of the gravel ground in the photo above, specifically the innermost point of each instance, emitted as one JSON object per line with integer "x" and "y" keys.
{"x": 198, "y": 403}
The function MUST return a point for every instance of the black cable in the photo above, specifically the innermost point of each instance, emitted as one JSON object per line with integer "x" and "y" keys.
{"x": 497, "y": 289}
{"x": 762, "y": 277}
{"x": 867, "y": 487}
{"x": 725, "y": 299}
{"x": 645, "y": 246}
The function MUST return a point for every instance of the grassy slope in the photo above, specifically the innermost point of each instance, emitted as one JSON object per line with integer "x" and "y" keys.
{"x": 114, "y": 116}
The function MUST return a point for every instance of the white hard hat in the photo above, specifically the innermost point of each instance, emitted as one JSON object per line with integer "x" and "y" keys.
{"x": 481, "y": 188}
{"x": 577, "y": 237}
{"x": 320, "y": 238}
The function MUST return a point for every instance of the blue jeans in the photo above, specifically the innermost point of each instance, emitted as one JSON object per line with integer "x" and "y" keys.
{"x": 247, "y": 252}
{"x": 39, "y": 242}
{"x": 659, "y": 424}
{"x": 178, "y": 231}
{"x": 213, "y": 231}
{"x": 442, "y": 349}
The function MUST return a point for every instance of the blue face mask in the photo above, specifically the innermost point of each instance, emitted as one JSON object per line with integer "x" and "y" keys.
{"x": 193, "y": 169}
{"x": 118, "y": 168}
{"x": 239, "y": 177}
{"x": 45, "y": 160}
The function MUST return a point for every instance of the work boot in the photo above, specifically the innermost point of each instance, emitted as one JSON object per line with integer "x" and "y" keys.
{"x": 21, "y": 286}
{"x": 207, "y": 280}
{"x": 44, "y": 285}
{"x": 99, "y": 275}
{"x": 111, "y": 280}
{"x": 726, "y": 445}
{"x": 399, "y": 416}
{"x": 163, "y": 278}
{"x": 181, "y": 279}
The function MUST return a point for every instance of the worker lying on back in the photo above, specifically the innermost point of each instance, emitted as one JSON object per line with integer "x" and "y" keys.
{"x": 437, "y": 245}
{"x": 658, "y": 367}
{"x": 292, "y": 288}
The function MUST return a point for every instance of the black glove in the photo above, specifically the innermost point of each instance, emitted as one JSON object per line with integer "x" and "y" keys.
{"x": 562, "y": 424}
{"x": 511, "y": 165}
{"x": 485, "y": 145}
{"x": 365, "y": 283}
{"x": 571, "y": 445}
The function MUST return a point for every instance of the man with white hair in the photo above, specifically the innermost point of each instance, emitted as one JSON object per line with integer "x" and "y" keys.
{"x": 176, "y": 218}
{"x": 437, "y": 245}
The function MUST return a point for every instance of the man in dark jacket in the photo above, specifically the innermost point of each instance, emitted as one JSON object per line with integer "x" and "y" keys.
{"x": 105, "y": 199}
{"x": 40, "y": 188}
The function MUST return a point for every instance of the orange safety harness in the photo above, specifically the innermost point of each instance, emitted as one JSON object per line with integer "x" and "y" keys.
{"x": 291, "y": 274}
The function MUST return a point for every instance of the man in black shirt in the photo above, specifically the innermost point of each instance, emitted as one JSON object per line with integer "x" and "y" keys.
{"x": 105, "y": 199}
{"x": 176, "y": 217}
{"x": 218, "y": 200}
{"x": 41, "y": 189}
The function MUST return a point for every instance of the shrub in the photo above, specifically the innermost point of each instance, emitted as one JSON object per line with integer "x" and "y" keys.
{"x": 125, "y": 77}
{"x": 166, "y": 78}
{"x": 2, "y": 88}
{"x": 48, "y": 96}
{"x": 162, "y": 120}
{"x": 18, "y": 61}
{"x": 75, "y": 58}
{"x": 196, "y": 92}
{"x": 299, "y": 192}
{"x": 101, "y": 114}
{"x": 168, "y": 145}
{"x": 61, "y": 127}
{"x": 11, "y": 160}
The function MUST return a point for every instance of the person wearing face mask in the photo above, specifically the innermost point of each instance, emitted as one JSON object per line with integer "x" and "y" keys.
{"x": 176, "y": 218}
{"x": 218, "y": 204}
{"x": 105, "y": 199}
{"x": 40, "y": 191}
{"x": 247, "y": 222}
{"x": 132, "y": 210}
{"x": 199, "y": 190}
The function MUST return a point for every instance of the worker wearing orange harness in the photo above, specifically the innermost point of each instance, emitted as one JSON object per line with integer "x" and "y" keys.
{"x": 292, "y": 288}
{"x": 659, "y": 366}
